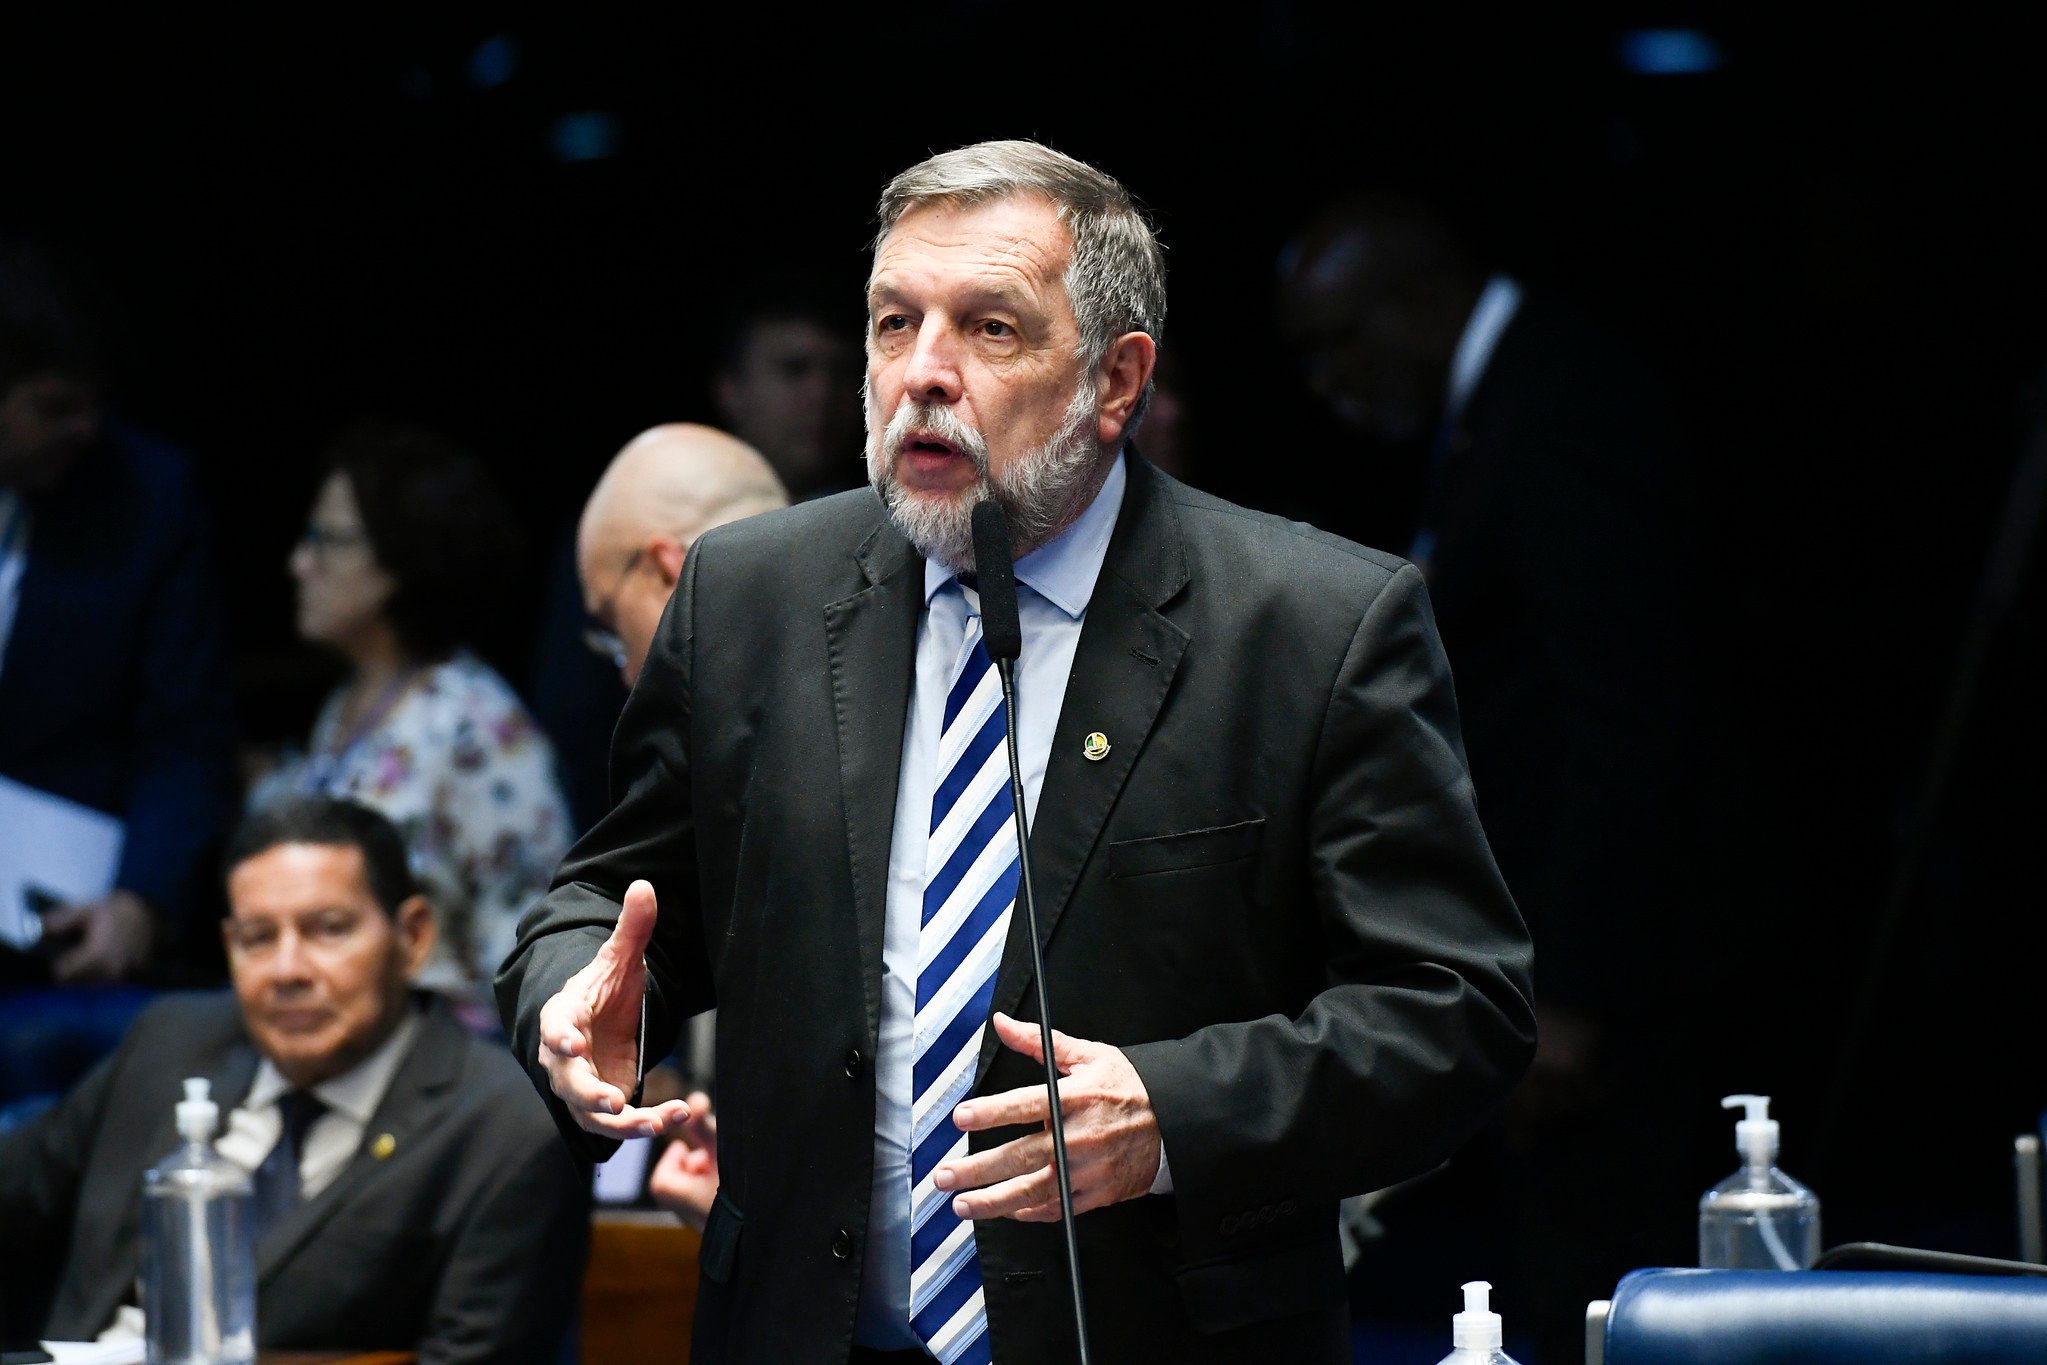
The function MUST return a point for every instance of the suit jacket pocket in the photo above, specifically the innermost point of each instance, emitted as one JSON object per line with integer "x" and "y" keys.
{"x": 1305, "y": 1277}
{"x": 720, "y": 1248}
{"x": 1190, "y": 849}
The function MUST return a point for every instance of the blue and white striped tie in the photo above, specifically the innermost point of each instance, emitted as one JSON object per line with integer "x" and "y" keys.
{"x": 969, "y": 890}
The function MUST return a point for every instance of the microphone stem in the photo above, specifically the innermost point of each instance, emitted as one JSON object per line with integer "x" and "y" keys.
{"x": 1003, "y": 667}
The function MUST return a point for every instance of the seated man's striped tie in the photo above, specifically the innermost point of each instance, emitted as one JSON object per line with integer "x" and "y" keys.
{"x": 969, "y": 891}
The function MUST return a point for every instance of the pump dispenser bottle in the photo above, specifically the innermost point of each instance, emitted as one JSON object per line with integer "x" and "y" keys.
{"x": 1475, "y": 1333}
{"x": 198, "y": 1263}
{"x": 1758, "y": 1218}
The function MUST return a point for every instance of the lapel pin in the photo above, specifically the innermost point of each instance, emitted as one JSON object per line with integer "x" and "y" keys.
{"x": 383, "y": 1146}
{"x": 1095, "y": 747}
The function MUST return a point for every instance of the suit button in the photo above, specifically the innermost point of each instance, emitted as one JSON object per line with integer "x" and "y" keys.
{"x": 1288, "y": 1208}
{"x": 1230, "y": 1224}
{"x": 855, "y": 1063}
{"x": 842, "y": 1246}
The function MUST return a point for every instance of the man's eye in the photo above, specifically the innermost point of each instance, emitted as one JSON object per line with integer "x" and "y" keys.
{"x": 995, "y": 327}
{"x": 894, "y": 322}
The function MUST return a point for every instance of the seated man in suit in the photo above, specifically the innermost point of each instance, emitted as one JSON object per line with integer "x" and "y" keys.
{"x": 430, "y": 1206}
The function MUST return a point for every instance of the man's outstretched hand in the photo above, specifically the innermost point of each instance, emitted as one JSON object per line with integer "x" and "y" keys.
{"x": 590, "y": 1032}
{"x": 1112, "y": 1136}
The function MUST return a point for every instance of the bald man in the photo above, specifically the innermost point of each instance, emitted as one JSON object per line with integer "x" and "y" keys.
{"x": 669, "y": 485}
{"x": 666, "y": 487}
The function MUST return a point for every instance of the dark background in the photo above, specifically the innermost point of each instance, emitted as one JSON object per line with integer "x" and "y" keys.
{"x": 1827, "y": 244}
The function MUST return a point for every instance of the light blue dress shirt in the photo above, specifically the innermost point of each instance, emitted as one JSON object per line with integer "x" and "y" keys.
{"x": 1054, "y": 583}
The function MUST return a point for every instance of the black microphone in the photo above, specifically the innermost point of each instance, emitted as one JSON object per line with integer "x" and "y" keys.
{"x": 995, "y": 578}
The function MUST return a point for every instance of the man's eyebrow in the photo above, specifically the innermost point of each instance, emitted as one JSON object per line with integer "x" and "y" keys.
{"x": 998, "y": 289}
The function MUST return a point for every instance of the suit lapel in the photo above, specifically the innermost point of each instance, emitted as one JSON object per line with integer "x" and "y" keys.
{"x": 1122, "y": 671}
{"x": 422, "y": 1087}
{"x": 872, "y": 638}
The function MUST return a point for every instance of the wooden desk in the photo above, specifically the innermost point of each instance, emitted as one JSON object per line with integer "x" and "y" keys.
{"x": 640, "y": 1289}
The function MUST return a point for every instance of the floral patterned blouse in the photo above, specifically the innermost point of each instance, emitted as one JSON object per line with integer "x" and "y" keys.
{"x": 458, "y": 764}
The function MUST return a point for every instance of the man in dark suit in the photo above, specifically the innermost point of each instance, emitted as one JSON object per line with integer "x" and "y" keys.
{"x": 1283, "y": 965}
{"x": 114, "y": 688}
{"x": 1552, "y": 524}
{"x": 410, "y": 1194}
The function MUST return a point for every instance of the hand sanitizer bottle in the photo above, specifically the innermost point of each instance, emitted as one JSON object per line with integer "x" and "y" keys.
{"x": 1475, "y": 1333}
{"x": 1758, "y": 1218}
{"x": 198, "y": 1264}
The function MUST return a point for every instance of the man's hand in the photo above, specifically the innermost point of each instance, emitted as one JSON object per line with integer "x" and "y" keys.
{"x": 1112, "y": 1136}
{"x": 590, "y": 1032}
{"x": 114, "y": 937}
{"x": 685, "y": 1179}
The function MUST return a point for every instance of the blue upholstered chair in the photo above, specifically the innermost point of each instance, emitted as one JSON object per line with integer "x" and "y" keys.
{"x": 1818, "y": 1317}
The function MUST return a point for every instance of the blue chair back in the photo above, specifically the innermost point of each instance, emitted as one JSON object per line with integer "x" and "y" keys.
{"x": 1821, "y": 1317}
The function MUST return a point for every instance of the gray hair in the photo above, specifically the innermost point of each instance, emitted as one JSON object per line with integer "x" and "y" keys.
{"x": 1116, "y": 280}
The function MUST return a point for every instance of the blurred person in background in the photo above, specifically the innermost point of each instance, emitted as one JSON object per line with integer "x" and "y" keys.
{"x": 1551, "y": 525}
{"x": 777, "y": 373}
{"x": 408, "y": 1193}
{"x": 399, "y": 567}
{"x": 787, "y": 382}
{"x": 114, "y": 690}
{"x": 668, "y": 486}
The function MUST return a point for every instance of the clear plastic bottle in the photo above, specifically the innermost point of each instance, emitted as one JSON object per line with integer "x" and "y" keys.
{"x": 1758, "y": 1218}
{"x": 198, "y": 1263}
{"x": 1475, "y": 1333}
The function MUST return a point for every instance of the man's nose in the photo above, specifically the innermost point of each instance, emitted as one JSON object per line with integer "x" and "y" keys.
{"x": 933, "y": 373}
{"x": 288, "y": 963}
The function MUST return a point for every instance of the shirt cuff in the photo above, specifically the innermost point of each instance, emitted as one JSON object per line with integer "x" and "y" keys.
{"x": 1163, "y": 1182}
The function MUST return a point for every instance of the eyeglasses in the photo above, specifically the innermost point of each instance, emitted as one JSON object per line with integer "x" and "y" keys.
{"x": 603, "y": 640}
{"x": 323, "y": 540}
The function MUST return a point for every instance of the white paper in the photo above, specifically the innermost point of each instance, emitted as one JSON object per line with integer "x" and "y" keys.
{"x": 620, "y": 1178}
{"x": 51, "y": 846}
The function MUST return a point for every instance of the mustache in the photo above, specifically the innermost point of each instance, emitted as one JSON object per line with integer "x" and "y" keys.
{"x": 940, "y": 421}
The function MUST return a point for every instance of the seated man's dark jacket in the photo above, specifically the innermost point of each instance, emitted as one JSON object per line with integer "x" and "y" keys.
{"x": 465, "y": 1242}
{"x": 114, "y": 689}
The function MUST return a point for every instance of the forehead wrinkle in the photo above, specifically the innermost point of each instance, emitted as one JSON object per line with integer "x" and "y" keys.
{"x": 1013, "y": 264}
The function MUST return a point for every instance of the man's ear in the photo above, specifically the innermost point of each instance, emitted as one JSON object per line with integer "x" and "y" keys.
{"x": 1125, "y": 369}
{"x": 666, "y": 554}
{"x": 416, "y": 932}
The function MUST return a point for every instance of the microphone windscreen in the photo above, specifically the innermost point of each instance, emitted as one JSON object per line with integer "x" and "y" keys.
{"x": 995, "y": 576}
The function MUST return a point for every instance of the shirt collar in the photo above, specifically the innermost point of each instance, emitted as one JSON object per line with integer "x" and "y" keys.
{"x": 1495, "y": 308}
{"x": 1063, "y": 570}
{"x": 357, "y": 1091}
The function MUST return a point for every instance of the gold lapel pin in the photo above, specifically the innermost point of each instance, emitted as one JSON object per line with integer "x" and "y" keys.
{"x": 383, "y": 1146}
{"x": 1095, "y": 747}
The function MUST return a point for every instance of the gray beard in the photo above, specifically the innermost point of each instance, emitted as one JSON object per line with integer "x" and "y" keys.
{"x": 1040, "y": 492}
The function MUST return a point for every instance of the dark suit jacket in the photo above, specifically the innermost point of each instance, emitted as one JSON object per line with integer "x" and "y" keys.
{"x": 465, "y": 1243}
{"x": 1273, "y": 894}
{"x": 114, "y": 691}
{"x": 1565, "y": 584}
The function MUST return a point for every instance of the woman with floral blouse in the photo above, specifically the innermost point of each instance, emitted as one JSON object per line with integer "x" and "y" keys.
{"x": 407, "y": 542}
